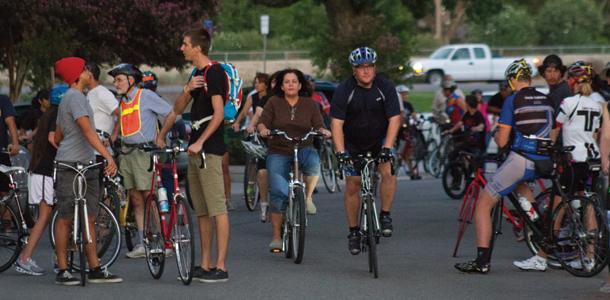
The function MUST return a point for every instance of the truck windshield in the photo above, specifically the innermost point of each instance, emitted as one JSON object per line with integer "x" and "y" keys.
{"x": 441, "y": 53}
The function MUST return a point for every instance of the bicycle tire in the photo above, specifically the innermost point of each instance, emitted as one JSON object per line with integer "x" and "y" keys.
{"x": 435, "y": 164}
{"x": 299, "y": 224}
{"x": 108, "y": 235}
{"x": 182, "y": 236}
{"x": 10, "y": 237}
{"x": 448, "y": 173}
{"x": 542, "y": 202}
{"x": 466, "y": 212}
{"x": 287, "y": 239}
{"x": 80, "y": 244}
{"x": 431, "y": 145}
{"x": 496, "y": 225}
{"x": 154, "y": 242}
{"x": 131, "y": 232}
{"x": 581, "y": 238}
{"x": 327, "y": 168}
{"x": 371, "y": 237}
{"x": 250, "y": 184}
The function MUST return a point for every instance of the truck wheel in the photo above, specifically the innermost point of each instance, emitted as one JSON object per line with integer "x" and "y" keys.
{"x": 435, "y": 78}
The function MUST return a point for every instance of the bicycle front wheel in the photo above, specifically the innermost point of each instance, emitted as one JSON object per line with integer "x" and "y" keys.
{"x": 250, "y": 185}
{"x": 435, "y": 163}
{"x": 182, "y": 235}
{"x": 455, "y": 180}
{"x": 370, "y": 236}
{"x": 10, "y": 237}
{"x": 81, "y": 244}
{"x": 582, "y": 237}
{"x": 108, "y": 234}
{"x": 299, "y": 224}
{"x": 154, "y": 242}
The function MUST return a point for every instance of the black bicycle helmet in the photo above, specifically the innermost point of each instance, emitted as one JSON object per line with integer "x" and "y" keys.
{"x": 127, "y": 70}
{"x": 149, "y": 80}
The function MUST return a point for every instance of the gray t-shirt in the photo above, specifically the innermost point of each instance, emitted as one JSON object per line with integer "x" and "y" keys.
{"x": 74, "y": 147}
{"x": 152, "y": 108}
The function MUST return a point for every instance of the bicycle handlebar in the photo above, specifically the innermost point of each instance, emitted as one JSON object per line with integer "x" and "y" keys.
{"x": 312, "y": 132}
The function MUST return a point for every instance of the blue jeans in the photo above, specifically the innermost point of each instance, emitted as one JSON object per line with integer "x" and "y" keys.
{"x": 278, "y": 168}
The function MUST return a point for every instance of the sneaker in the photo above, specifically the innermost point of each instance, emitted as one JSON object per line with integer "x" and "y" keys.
{"x": 198, "y": 273}
{"x": 230, "y": 205}
{"x": 535, "y": 263}
{"x": 28, "y": 267}
{"x": 353, "y": 242}
{"x": 215, "y": 275}
{"x": 311, "y": 208}
{"x": 100, "y": 275}
{"x": 578, "y": 265}
{"x": 65, "y": 278}
{"x": 472, "y": 267}
{"x": 554, "y": 264}
{"x": 169, "y": 252}
{"x": 137, "y": 252}
{"x": 386, "y": 225}
{"x": 264, "y": 213}
{"x": 276, "y": 246}
{"x": 415, "y": 177}
{"x": 605, "y": 288}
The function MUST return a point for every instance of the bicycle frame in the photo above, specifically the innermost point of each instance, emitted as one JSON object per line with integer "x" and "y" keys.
{"x": 367, "y": 190}
{"x": 14, "y": 194}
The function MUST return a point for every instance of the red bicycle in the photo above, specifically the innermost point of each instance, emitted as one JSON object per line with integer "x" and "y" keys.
{"x": 167, "y": 224}
{"x": 471, "y": 196}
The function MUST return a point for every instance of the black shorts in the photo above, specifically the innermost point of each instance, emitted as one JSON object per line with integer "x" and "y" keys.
{"x": 5, "y": 159}
{"x": 261, "y": 164}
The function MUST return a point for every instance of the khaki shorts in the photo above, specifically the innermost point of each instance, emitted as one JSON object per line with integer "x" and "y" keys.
{"x": 206, "y": 186}
{"x": 134, "y": 168}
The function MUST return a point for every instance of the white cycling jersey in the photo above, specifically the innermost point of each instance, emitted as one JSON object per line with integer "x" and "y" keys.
{"x": 580, "y": 118}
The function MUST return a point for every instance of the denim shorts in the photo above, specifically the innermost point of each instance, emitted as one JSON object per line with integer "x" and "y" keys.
{"x": 278, "y": 168}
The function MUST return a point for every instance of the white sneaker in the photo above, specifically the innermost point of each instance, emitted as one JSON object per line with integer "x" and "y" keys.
{"x": 137, "y": 252}
{"x": 535, "y": 263}
{"x": 311, "y": 208}
{"x": 577, "y": 264}
{"x": 169, "y": 252}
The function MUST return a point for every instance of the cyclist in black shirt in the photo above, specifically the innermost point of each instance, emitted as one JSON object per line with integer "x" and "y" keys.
{"x": 365, "y": 117}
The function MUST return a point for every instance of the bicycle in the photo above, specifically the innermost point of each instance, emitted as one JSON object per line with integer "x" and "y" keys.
{"x": 327, "y": 165}
{"x": 14, "y": 231}
{"x": 255, "y": 151}
{"x": 161, "y": 233}
{"x": 573, "y": 230}
{"x": 295, "y": 219}
{"x": 438, "y": 157}
{"x": 368, "y": 218}
{"x": 106, "y": 226}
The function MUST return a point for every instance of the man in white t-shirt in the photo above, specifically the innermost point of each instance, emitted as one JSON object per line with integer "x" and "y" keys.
{"x": 104, "y": 104}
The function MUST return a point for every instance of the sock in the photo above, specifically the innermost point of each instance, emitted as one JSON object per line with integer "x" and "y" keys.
{"x": 356, "y": 228}
{"x": 483, "y": 255}
{"x": 141, "y": 236}
{"x": 385, "y": 213}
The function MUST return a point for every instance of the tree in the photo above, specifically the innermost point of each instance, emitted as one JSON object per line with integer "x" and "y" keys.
{"x": 34, "y": 34}
{"x": 570, "y": 22}
{"x": 512, "y": 26}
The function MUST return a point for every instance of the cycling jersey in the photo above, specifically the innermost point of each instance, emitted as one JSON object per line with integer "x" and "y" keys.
{"x": 580, "y": 117}
{"x": 530, "y": 115}
{"x": 477, "y": 139}
{"x": 453, "y": 110}
{"x": 366, "y": 112}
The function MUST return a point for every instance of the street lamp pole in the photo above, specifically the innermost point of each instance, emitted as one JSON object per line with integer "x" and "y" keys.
{"x": 265, "y": 32}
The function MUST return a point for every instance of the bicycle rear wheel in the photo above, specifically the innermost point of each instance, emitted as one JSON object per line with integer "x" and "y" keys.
{"x": 299, "y": 224}
{"x": 431, "y": 145}
{"x": 582, "y": 238}
{"x": 370, "y": 236}
{"x": 154, "y": 242}
{"x": 327, "y": 168}
{"x": 10, "y": 237}
{"x": 466, "y": 212}
{"x": 250, "y": 184}
{"x": 182, "y": 235}
{"x": 108, "y": 234}
{"x": 455, "y": 180}
{"x": 435, "y": 163}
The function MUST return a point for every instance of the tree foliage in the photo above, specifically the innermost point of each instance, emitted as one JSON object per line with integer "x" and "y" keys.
{"x": 511, "y": 26}
{"x": 570, "y": 22}
{"x": 35, "y": 33}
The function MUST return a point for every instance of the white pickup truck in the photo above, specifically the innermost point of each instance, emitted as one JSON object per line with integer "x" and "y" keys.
{"x": 466, "y": 62}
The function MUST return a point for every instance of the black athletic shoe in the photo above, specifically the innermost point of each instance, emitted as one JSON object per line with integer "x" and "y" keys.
{"x": 215, "y": 275}
{"x": 102, "y": 276}
{"x": 353, "y": 242}
{"x": 65, "y": 278}
{"x": 472, "y": 267}
{"x": 386, "y": 225}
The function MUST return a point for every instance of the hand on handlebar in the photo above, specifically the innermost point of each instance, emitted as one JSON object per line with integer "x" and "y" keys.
{"x": 160, "y": 141}
{"x": 13, "y": 149}
{"x": 325, "y": 132}
{"x": 343, "y": 157}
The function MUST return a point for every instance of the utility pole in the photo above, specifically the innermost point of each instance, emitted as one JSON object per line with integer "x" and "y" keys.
{"x": 265, "y": 32}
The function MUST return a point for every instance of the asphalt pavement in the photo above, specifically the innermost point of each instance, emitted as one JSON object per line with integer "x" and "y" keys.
{"x": 415, "y": 263}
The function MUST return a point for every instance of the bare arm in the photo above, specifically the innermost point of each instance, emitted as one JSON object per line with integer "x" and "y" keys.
{"x": 392, "y": 131}
{"x": 336, "y": 127}
{"x": 555, "y": 133}
{"x": 502, "y": 135}
{"x": 117, "y": 125}
{"x": 179, "y": 107}
{"x": 94, "y": 140}
{"x": 59, "y": 136}
{"x": 51, "y": 139}
{"x": 12, "y": 128}
{"x": 242, "y": 113}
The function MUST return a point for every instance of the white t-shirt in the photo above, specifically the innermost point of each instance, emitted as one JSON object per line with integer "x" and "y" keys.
{"x": 580, "y": 118}
{"x": 103, "y": 103}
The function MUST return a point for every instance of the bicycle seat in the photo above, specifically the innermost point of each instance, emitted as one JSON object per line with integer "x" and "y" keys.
{"x": 7, "y": 169}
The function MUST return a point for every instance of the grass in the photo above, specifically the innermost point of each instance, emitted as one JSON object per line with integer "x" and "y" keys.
{"x": 422, "y": 101}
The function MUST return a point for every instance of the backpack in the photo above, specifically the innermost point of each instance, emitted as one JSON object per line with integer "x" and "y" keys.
{"x": 234, "y": 93}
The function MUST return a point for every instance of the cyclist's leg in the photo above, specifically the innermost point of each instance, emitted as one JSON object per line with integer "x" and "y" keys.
{"x": 65, "y": 211}
{"x": 388, "y": 186}
{"x": 309, "y": 161}
{"x": 262, "y": 180}
{"x": 278, "y": 167}
{"x": 137, "y": 180}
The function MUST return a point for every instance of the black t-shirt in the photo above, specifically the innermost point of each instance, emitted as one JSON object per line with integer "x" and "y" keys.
{"x": 408, "y": 108}
{"x": 559, "y": 92}
{"x": 476, "y": 140}
{"x": 496, "y": 101}
{"x": 48, "y": 152}
{"x": 259, "y": 101}
{"x": 202, "y": 107}
{"x": 6, "y": 110}
{"x": 365, "y": 112}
